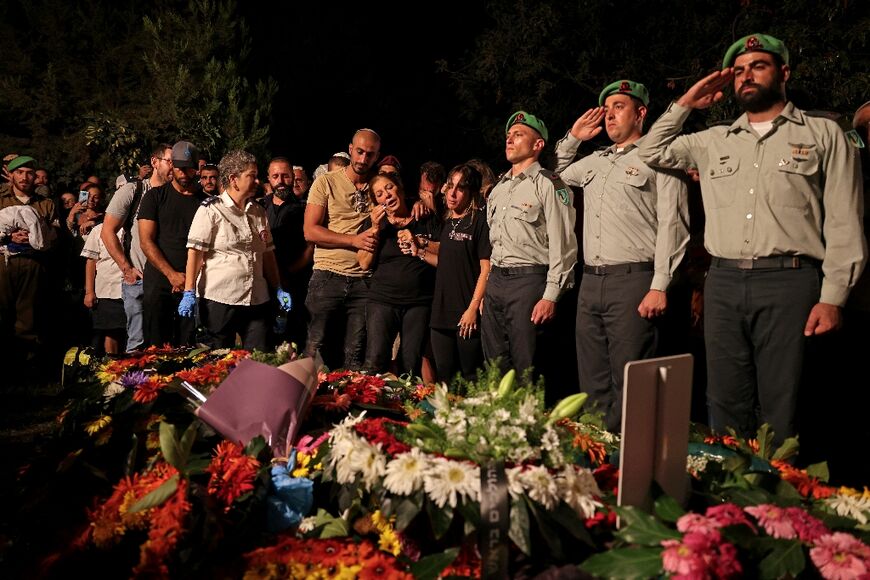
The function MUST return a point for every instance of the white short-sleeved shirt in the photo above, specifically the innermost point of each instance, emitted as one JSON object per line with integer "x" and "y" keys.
{"x": 234, "y": 242}
{"x": 109, "y": 276}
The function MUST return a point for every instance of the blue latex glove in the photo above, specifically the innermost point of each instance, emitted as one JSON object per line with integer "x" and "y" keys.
{"x": 290, "y": 498}
{"x": 187, "y": 304}
{"x": 284, "y": 300}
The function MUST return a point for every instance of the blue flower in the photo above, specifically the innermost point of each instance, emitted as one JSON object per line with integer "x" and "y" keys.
{"x": 290, "y": 498}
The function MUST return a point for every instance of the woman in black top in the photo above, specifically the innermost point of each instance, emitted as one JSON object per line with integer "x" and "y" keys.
{"x": 401, "y": 287}
{"x": 462, "y": 258}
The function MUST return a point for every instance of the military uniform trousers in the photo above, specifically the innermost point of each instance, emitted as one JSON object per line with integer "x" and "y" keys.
{"x": 20, "y": 286}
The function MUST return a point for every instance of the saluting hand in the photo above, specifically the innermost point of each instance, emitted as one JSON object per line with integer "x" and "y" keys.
{"x": 588, "y": 125}
{"x": 708, "y": 90}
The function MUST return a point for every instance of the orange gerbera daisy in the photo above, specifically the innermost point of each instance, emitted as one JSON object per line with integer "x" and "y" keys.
{"x": 232, "y": 473}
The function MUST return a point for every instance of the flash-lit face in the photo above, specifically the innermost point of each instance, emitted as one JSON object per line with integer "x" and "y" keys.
{"x": 457, "y": 197}
{"x": 759, "y": 81}
{"x": 208, "y": 179}
{"x": 246, "y": 182}
{"x": 22, "y": 179}
{"x": 623, "y": 118}
{"x": 387, "y": 194}
{"x": 364, "y": 152}
{"x": 522, "y": 143}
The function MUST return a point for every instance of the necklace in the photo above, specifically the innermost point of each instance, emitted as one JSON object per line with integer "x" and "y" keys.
{"x": 455, "y": 222}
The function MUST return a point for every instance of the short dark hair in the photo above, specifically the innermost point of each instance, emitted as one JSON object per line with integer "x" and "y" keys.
{"x": 434, "y": 172}
{"x": 280, "y": 159}
{"x": 210, "y": 167}
{"x": 159, "y": 149}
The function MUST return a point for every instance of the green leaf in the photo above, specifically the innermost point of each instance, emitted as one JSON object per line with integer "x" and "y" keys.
{"x": 568, "y": 519}
{"x": 519, "y": 529}
{"x": 787, "y": 493}
{"x": 765, "y": 440}
{"x": 668, "y": 509}
{"x": 547, "y": 531}
{"x": 789, "y": 448}
{"x": 819, "y": 471}
{"x": 644, "y": 529}
{"x": 158, "y": 496}
{"x": 330, "y": 526}
{"x": 430, "y": 567}
{"x": 255, "y": 446}
{"x": 440, "y": 518}
{"x": 187, "y": 441}
{"x": 747, "y": 497}
{"x": 406, "y": 511}
{"x": 628, "y": 563}
{"x": 170, "y": 446}
{"x": 785, "y": 561}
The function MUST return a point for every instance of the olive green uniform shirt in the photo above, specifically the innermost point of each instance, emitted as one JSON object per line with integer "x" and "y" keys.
{"x": 531, "y": 223}
{"x": 794, "y": 191}
{"x": 631, "y": 212}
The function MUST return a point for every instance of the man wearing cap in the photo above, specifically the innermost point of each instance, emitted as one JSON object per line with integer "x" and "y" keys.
{"x": 22, "y": 267}
{"x": 123, "y": 214}
{"x": 338, "y": 204}
{"x": 531, "y": 227}
{"x": 783, "y": 203}
{"x": 635, "y": 231}
{"x": 165, "y": 215}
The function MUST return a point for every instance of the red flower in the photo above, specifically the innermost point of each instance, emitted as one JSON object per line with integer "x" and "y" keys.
{"x": 376, "y": 431}
{"x": 807, "y": 486}
{"x": 147, "y": 391}
{"x": 607, "y": 477}
{"x": 381, "y": 565}
{"x": 232, "y": 473}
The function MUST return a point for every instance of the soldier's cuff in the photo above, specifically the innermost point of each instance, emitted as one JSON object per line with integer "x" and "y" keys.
{"x": 660, "y": 282}
{"x": 200, "y": 245}
{"x": 552, "y": 292}
{"x": 679, "y": 111}
{"x": 833, "y": 293}
{"x": 569, "y": 141}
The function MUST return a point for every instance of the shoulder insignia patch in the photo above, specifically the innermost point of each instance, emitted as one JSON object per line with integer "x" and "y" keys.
{"x": 843, "y": 122}
{"x": 563, "y": 195}
{"x": 210, "y": 200}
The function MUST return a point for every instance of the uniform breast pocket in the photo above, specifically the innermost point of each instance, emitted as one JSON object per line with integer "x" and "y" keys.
{"x": 528, "y": 213}
{"x": 797, "y": 179}
{"x": 723, "y": 175}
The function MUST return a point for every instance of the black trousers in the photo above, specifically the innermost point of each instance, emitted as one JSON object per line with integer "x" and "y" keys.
{"x": 161, "y": 322}
{"x": 507, "y": 331}
{"x": 753, "y": 331}
{"x": 609, "y": 334}
{"x": 221, "y": 323}
{"x": 454, "y": 354}
{"x": 330, "y": 296}
{"x": 383, "y": 324}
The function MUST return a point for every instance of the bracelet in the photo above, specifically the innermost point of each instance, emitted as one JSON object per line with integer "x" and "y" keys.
{"x": 424, "y": 242}
{"x": 422, "y": 255}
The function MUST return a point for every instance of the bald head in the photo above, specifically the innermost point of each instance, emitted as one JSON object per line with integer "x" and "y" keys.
{"x": 365, "y": 148}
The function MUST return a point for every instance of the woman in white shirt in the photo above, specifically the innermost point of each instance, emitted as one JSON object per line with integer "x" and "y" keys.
{"x": 231, "y": 261}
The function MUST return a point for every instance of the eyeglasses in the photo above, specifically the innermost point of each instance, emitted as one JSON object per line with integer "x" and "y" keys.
{"x": 166, "y": 160}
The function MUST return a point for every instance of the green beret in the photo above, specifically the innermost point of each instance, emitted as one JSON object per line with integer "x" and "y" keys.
{"x": 625, "y": 87}
{"x": 19, "y": 161}
{"x": 755, "y": 42}
{"x": 528, "y": 120}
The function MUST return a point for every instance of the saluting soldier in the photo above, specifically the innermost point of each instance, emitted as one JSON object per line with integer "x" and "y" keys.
{"x": 531, "y": 227}
{"x": 635, "y": 231}
{"x": 783, "y": 203}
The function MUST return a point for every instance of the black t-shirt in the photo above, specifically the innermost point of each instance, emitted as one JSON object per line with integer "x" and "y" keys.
{"x": 286, "y": 222}
{"x": 173, "y": 212}
{"x": 400, "y": 279}
{"x": 464, "y": 243}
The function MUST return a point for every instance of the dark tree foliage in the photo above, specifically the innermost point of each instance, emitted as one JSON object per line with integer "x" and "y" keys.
{"x": 91, "y": 86}
{"x": 552, "y": 57}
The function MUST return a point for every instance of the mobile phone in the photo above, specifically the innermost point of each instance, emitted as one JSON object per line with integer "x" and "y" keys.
{"x": 83, "y": 196}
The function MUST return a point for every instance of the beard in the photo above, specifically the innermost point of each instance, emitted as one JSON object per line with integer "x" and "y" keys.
{"x": 762, "y": 99}
{"x": 281, "y": 193}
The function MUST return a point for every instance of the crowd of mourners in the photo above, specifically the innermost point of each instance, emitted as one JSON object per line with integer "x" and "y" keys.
{"x": 432, "y": 274}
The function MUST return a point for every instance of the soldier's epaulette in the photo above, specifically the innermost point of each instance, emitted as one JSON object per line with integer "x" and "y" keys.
{"x": 210, "y": 200}
{"x": 843, "y": 122}
{"x": 561, "y": 190}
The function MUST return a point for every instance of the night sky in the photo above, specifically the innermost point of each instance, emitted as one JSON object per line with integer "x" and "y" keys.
{"x": 340, "y": 71}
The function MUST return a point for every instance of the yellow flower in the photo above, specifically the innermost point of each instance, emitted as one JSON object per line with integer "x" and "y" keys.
{"x": 388, "y": 540}
{"x": 98, "y": 425}
{"x": 347, "y": 572}
{"x": 302, "y": 461}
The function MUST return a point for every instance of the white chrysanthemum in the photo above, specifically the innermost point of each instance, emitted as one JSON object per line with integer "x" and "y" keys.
{"x": 370, "y": 462}
{"x": 501, "y": 415}
{"x": 551, "y": 444}
{"x": 855, "y": 507}
{"x": 113, "y": 388}
{"x": 541, "y": 486}
{"x": 515, "y": 486}
{"x": 446, "y": 481}
{"x": 405, "y": 472}
{"x": 528, "y": 410}
{"x": 579, "y": 489}
{"x": 343, "y": 459}
{"x": 454, "y": 423}
{"x": 479, "y": 400}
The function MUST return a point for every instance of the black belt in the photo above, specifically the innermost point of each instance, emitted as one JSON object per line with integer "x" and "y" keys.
{"x": 768, "y": 263}
{"x": 520, "y": 270}
{"x": 619, "y": 268}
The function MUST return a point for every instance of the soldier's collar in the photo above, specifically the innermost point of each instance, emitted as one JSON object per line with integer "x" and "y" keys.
{"x": 611, "y": 150}
{"x": 790, "y": 112}
{"x": 529, "y": 171}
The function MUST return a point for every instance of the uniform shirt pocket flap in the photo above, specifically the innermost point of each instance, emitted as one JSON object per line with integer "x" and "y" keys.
{"x": 724, "y": 168}
{"x": 525, "y": 212}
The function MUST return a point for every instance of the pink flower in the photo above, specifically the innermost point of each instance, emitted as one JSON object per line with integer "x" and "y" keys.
{"x": 727, "y": 565}
{"x": 702, "y": 541}
{"x": 681, "y": 560}
{"x": 841, "y": 556}
{"x": 808, "y": 528}
{"x": 309, "y": 445}
{"x": 692, "y": 522}
{"x": 774, "y": 520}
{"x": 728, "y": 514}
